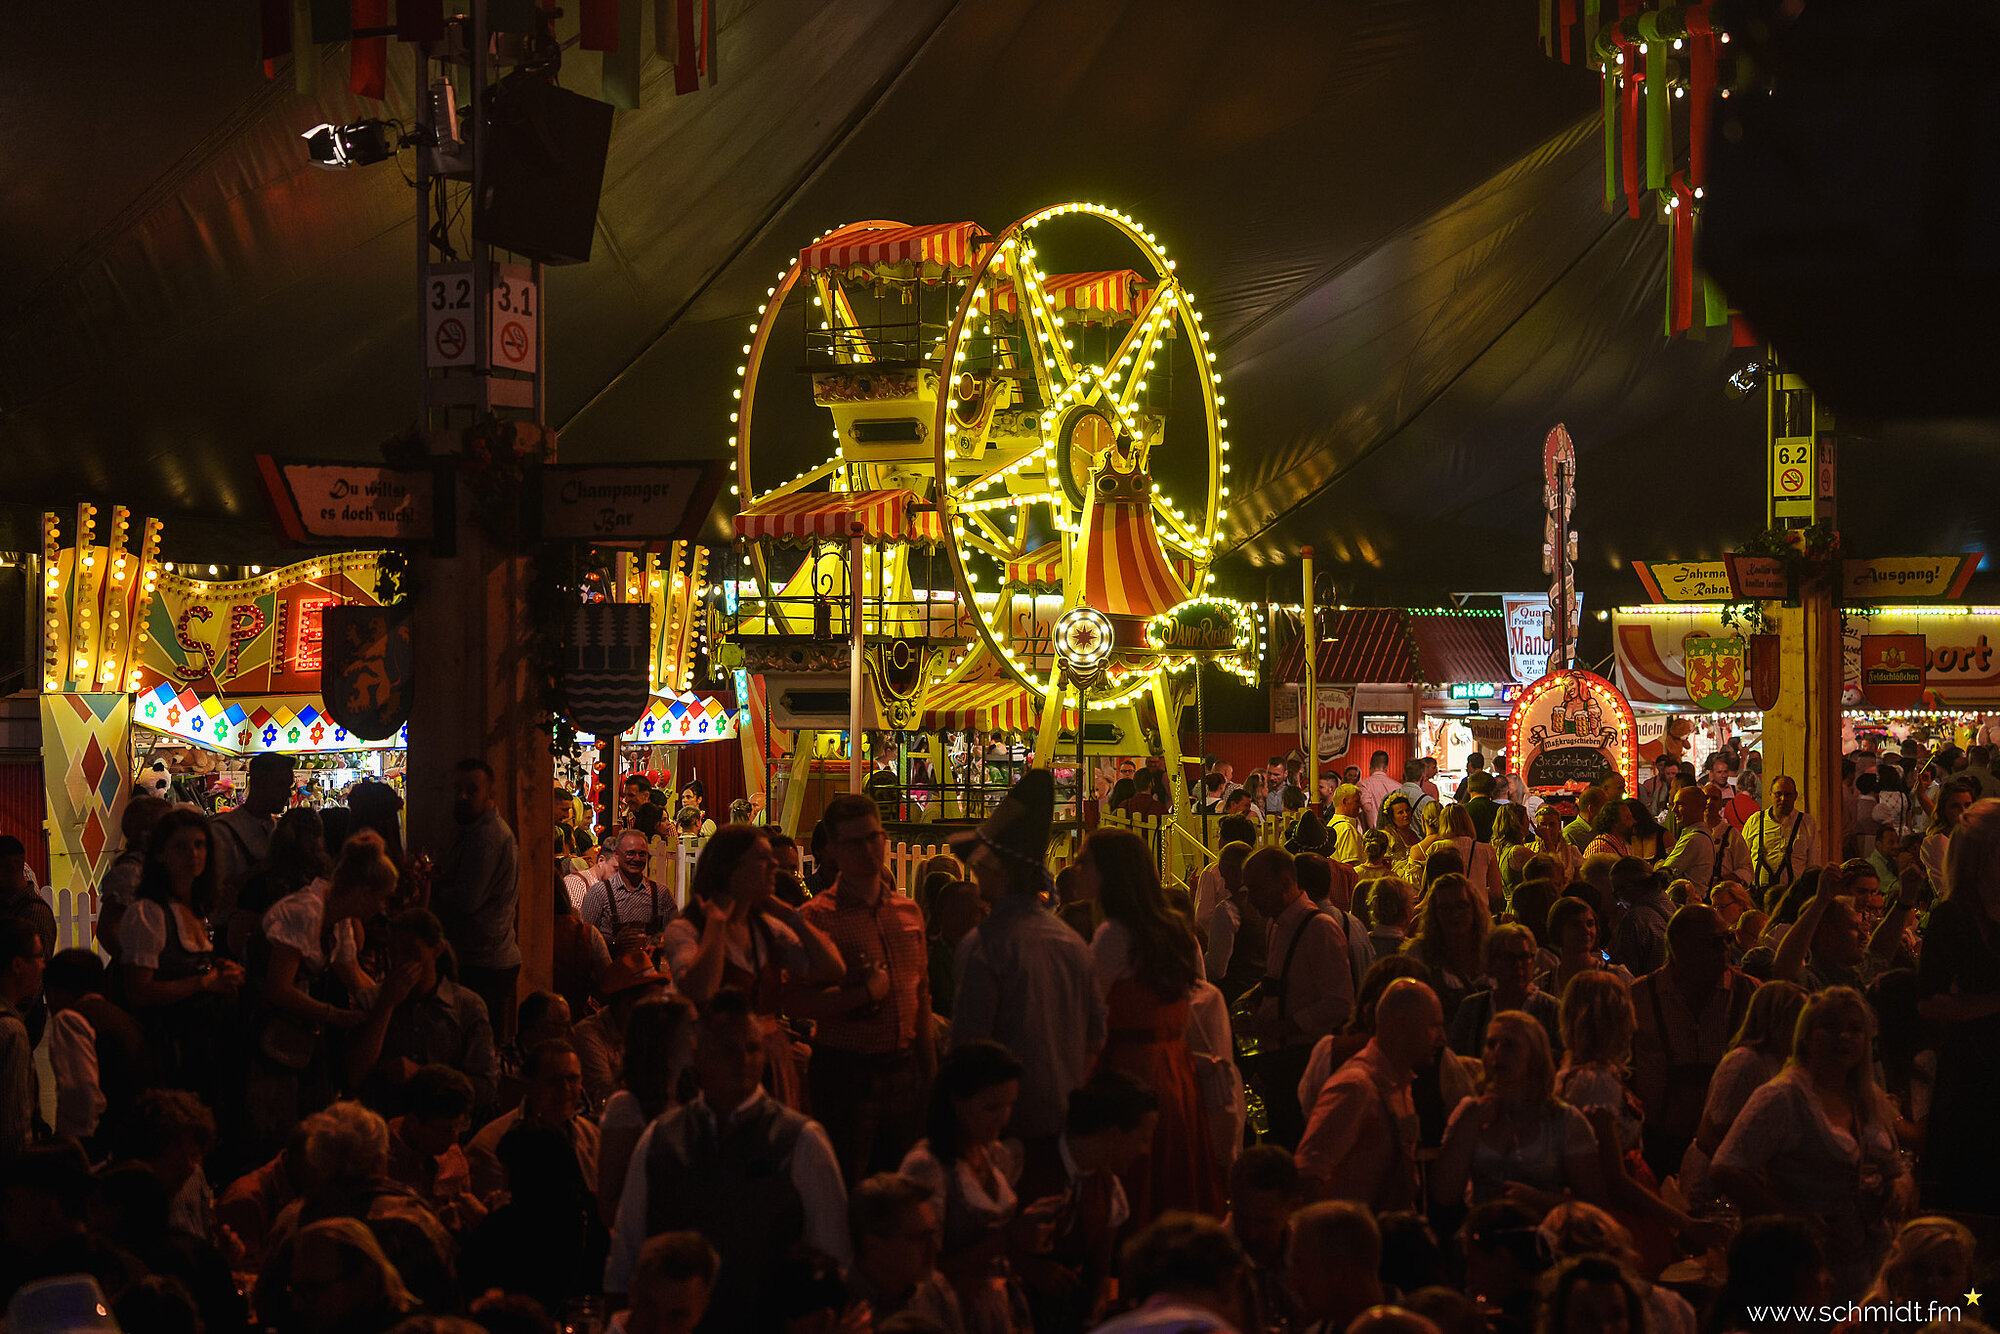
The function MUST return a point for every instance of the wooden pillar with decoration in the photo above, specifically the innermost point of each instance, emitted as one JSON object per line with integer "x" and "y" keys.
{"x": 475, "y": 698}
{"x": 1802, "y": 734}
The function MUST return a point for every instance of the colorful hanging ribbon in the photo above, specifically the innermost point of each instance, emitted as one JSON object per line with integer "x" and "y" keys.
{"x": 1701, "y": 89}
{"x": 1680, "y": 275}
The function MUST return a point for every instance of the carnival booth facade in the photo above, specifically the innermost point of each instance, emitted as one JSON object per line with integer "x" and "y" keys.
{"x": 153, "y": 676}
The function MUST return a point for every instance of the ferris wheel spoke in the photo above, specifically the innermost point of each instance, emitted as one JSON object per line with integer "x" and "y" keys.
{"x": 1148, "y": 331}
{"x": 1048, "y": 358}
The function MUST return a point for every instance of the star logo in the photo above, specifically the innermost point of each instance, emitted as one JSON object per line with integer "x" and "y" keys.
{"x": 1972, "y": 1298}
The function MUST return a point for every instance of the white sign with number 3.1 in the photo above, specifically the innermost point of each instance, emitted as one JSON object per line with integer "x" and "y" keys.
{"x": 513, "y": 318}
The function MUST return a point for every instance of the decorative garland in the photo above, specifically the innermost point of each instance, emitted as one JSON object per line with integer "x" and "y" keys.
{"x": 1651, "y": 56}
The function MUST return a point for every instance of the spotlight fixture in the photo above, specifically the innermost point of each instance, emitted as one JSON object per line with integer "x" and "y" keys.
{"x": 354, "y": 145}
{"x": 1746, "y": 380}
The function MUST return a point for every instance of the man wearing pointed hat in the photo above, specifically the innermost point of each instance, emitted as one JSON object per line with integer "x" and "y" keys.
{"x": 1024, "y": 976}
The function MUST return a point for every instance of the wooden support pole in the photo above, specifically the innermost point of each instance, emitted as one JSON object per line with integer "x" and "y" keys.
{"x": 1309, "y": 696}
{"x": 856, "y": 766}
{"x": 1802, "y": 734}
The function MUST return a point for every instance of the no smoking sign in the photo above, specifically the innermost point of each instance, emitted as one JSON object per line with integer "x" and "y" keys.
{"x": 513, "y": 318}
{"x": 449, "y": 340}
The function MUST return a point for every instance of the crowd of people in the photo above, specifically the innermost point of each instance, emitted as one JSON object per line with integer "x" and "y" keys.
{"x": 1401, "y": 1062}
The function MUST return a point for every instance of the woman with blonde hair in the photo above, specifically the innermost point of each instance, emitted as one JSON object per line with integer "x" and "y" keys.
{"x": 1514, "y": 841}
{"x": 1597, "y": 1026}
{"x": 1758, "y": 1052}
{"x": 1481, "y": 866}
{"x": 1818, "y": 1142}
{"x": 1517, "y": 1140}
{"x": 1929, "y": 1265}
{"x": 1452, "y": 926}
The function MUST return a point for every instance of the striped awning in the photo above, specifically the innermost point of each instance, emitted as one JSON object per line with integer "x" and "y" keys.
{"x": 1040, "y": 568}
{"x": 986, "y": 706}
{"x": 1117, "y": 292}
{"x": 947, "y": 245}
{"x": 814, "y": 516}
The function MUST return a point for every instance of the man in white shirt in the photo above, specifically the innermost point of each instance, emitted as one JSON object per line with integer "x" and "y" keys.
{"x": 1783, "y": 840}
{"x": 1376, "y": 787}
{"x": 755, "y": 1180}
{"x": 1308, "y": 987}
{"x": 628, "y": 901}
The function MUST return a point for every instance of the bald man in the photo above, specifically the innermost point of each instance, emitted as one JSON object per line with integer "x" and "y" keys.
{"x": 1361, "y": 1142}
{"x": 1693, "y": 855}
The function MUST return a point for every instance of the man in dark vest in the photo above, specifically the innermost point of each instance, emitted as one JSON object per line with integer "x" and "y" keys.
{"x": 749, "y": 1174}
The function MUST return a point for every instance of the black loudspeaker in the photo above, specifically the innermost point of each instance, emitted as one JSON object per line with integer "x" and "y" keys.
{"x": 545, "y": 150}
{"x": 1852, "y": 208}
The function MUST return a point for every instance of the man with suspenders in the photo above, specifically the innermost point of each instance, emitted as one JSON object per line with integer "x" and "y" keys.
{"x": 626, "y": 902}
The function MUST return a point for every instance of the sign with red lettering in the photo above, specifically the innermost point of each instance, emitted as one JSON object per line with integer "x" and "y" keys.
{"x": 1527, "y": 632}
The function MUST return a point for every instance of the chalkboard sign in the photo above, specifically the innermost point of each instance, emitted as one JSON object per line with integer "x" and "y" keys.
{"x": 1571, "y": 767}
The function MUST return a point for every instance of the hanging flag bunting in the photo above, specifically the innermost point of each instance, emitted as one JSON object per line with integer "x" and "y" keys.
{"x": 607, "y": 666}
{"x": 1764, "y": 671}
{"x": 620, "y": 82}
{"x": 420, "y": 20}
{"x": 332, "y": 21}
{"x": 599, "y": 24}
{"x": 305, "y": 56}
{"x": 1653, "y": 57}
{"x": 368, "y": 57}
{"x": 367, "y": 668}
{"x": 274, "y": 33}
{"x": 1714, "y": 671}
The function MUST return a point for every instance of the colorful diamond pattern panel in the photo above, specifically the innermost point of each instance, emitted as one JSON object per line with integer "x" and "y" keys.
{"x": 290, "y": 724}
{"x": 680, "y": 719}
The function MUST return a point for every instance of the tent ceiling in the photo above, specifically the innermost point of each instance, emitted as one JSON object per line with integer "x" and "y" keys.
{"x": 1387, "y": 210}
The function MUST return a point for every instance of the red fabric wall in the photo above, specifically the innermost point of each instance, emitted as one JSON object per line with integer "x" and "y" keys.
{"x": 22, "y": 810}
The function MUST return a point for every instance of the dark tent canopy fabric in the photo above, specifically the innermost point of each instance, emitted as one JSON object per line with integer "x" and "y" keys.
{"x": 1388, "y": 211}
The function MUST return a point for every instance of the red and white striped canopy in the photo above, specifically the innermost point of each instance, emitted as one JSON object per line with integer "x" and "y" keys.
{"x": 1119, "y": 292}
{"x": 1041, "y": 567}
{"x": 985, "y": 706}
{"x": 813, "y": 516}
{"x": 947, "y": 245}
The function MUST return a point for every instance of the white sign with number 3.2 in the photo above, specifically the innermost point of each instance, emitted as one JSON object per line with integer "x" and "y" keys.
{"x": 513, "y": 318}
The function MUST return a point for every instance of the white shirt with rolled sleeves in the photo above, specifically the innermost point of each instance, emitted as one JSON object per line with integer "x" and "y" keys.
{"x": 1693, "y": 858}
{"x": 1766, "y": 836}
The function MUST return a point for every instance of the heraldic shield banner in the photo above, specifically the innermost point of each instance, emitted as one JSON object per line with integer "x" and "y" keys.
{"x": 368, "y": 672}
{"x": 607, "y": 666}
{"x": 1715, "y": 671}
